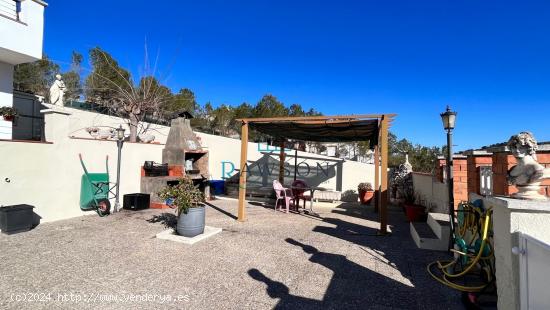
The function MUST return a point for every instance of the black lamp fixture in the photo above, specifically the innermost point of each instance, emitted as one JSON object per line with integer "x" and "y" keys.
{"x": 120, "y": 133}
{"x": 119, "y": 143}
{"x": 449, "y": 120}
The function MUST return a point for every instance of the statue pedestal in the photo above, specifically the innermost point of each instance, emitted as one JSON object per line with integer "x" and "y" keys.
{"x": 56, "y": 122}
{"x": 511, "y": 216}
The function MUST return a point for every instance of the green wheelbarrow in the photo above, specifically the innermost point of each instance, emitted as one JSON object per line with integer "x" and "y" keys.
{"x": 95, "y": 189}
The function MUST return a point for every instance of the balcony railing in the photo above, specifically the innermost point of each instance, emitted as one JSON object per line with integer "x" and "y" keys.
{"x": 10, "y": 9}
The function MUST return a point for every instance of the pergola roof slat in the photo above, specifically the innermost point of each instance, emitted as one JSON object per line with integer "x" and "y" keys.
{"x": 338, "y": 131}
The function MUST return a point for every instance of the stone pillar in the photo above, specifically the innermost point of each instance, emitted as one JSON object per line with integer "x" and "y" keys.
{"x": 460, "y": 173}
{"x": 56, "y": 123}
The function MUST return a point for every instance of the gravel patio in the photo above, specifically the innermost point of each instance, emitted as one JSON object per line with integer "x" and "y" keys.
{"x": 274, "y": 260}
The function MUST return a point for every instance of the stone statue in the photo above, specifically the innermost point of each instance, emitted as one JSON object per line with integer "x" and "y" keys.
{"x": 57, "y": 91}
{"x": 528, "y": 174}
{"x": 401, "y": 179}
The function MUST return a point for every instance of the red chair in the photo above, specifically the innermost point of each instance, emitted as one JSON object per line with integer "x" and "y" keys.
{"x": 283, "y": 194}
{"x": 299, "y": 189}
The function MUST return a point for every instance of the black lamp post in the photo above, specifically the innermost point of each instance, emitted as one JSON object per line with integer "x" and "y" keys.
{"x": 449, "y": 118}
{"x": 119, "y": 142}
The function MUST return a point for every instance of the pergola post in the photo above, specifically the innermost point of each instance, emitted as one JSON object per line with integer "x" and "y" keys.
{"x": 282, "y": 162}
{"x": 376, "y": 178}
{"x": 242, "y": 178}
{"x": 384, "y": 175}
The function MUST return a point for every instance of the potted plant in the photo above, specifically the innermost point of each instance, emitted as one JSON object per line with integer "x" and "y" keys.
{"x": 413, "y": 210}
{"x": 366, "y": 192}
{"x": 188, "y": 201}
{"x": 8, "y": 113}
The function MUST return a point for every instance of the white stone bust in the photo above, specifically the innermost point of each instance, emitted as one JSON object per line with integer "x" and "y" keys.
{"x": 528, "y": 174}
{"x": 57, "y": 91}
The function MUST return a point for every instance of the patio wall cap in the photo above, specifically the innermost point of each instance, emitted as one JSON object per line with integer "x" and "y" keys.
{"x": 478, "y": 153}
{"x": 519, "y": 205}
{"x": 51, "y": 110}
{"x": 543, "y": 147}
{"x": 455, "y": 156}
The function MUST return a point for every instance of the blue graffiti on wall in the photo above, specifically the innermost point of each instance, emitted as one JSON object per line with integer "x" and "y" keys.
{"x": 303, "y": 169}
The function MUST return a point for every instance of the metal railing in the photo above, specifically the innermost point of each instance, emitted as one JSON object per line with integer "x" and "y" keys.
{"x": 10, "y": 9}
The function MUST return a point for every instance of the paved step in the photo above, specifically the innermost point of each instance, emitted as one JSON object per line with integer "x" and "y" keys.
{"x": 440, "y": 224}
{"x": 425, "y": 237}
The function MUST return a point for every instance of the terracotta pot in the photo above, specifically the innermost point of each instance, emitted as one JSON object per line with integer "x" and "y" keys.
{"x": 8, "y": 118}
{"x": 415, "y": 213}
{"x": 366, "y": 197}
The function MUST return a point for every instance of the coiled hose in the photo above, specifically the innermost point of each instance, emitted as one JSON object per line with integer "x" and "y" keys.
{"x": 473, "y": 221}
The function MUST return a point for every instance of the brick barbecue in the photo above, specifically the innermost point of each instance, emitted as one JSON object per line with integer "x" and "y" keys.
{"x": 184, "y": 156}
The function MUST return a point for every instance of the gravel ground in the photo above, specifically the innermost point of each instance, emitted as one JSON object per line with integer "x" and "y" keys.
{"x": 274, "y": 260}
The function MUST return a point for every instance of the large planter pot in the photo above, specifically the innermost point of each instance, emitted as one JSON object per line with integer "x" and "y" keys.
{"x": 366, "y": 197}
{"x": 8, "y": 118}
{"x": 415, "y": 213}
{"x": 192, "y": 223}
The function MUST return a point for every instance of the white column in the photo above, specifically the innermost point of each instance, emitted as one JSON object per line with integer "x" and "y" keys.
{"x": 511, "y": 216}
{"x": 56, "y": 123}
{"x": 6, "y": 97}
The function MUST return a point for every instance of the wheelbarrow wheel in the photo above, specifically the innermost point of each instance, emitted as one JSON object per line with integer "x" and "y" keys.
{"x": 103, "y": 207}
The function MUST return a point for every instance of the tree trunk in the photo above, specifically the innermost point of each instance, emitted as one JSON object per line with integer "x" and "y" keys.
{"x": 133, "y": 127}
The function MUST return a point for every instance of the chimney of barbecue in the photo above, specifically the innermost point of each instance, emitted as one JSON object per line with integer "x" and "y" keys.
{"x": 181, "y": 138}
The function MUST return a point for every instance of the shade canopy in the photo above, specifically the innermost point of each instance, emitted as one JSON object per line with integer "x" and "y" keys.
{"x": 339, "y": 128}
{"x": 321, "y": 131}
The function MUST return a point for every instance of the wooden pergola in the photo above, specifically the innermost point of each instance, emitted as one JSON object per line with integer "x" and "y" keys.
{"x": 341, "y": 128}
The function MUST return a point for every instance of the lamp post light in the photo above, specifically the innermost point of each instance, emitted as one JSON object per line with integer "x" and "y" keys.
{"x": 449, "y": 119}
{"x": 119, "y": 143}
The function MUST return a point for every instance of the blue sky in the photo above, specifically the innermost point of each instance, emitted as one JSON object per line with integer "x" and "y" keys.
{"x": 490, "y": 60}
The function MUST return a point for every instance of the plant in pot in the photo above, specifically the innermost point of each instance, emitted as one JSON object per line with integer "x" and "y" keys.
{"x": 188, "y": 201}
{"x": 8, "y": 113}
{"x": 413, "y": 210}
{"x": 366, "y": 192}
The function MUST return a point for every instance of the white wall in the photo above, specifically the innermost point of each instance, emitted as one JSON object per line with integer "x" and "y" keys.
{"x": 47, "y": 176}
{"x": 224, "y": 156}
{"x": 6, "y": 97}
{"x": 328, "y": 172}
{"x": 22, "y": 41}
{"x": 433, "y": 192}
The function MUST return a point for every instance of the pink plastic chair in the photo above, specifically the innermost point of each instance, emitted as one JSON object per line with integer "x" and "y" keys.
{"x": 283, "y": 194}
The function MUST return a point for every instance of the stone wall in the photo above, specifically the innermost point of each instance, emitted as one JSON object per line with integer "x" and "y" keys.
{"x": 433, "y": 193}
{"x": 460, "y": 173}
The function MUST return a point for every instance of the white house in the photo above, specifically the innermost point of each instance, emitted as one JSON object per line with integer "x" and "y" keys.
{"x": 21, "y": 33}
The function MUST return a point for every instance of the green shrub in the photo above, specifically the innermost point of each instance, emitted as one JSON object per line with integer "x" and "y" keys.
{"x": 185, "y": 195}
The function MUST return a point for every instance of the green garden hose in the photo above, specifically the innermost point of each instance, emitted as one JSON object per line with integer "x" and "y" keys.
{"x": 476, "y": 252}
